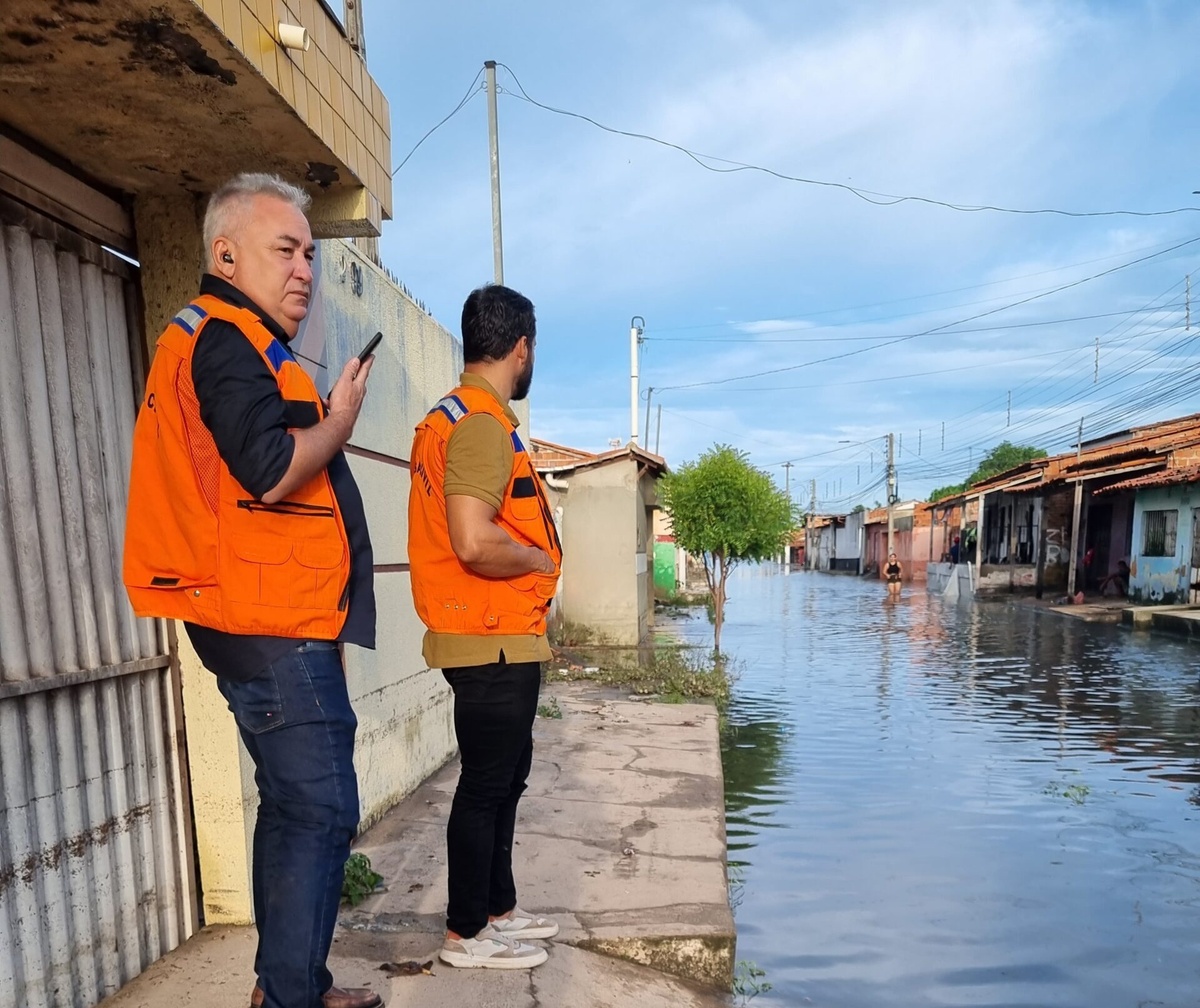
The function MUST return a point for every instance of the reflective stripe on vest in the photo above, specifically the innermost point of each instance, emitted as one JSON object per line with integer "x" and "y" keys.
{"x": 450, "y": 597}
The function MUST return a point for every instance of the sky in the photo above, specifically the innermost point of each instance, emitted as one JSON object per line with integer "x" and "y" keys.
{"x": 952, "y": 329}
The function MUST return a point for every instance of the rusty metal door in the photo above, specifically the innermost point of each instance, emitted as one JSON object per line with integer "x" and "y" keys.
{"x": 95, "y": 860}
{"x": 1194, "y": 580}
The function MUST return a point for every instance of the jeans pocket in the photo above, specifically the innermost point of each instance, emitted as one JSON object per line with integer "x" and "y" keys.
{"x": 257, "y": 704}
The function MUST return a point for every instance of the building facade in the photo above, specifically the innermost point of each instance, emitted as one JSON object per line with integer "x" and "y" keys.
{"x": 605, "y": 507}
{"x": 126, "y": 802}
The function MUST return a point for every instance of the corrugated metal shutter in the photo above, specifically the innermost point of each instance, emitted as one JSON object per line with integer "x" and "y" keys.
{"x": 95, "y": 869}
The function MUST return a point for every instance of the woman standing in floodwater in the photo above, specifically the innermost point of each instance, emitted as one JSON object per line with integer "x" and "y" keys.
{"x": 894, "y": 573}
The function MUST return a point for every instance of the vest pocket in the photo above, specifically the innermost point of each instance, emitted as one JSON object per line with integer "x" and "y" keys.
{"x": 259, "y": 572}
{"x": 317, "y": 573}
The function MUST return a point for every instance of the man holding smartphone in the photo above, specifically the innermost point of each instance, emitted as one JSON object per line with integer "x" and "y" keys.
{"x": 245, "y": 523}
{"x": 485, "y": 561}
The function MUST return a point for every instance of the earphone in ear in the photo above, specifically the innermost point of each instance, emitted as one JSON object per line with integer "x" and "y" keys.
{"x": 226, "y": 257}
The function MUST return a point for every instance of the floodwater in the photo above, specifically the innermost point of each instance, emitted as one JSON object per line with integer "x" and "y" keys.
{"x": 971, "y": 805}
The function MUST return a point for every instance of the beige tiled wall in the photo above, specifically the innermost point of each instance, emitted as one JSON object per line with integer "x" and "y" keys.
{"x": 328, "y": 86}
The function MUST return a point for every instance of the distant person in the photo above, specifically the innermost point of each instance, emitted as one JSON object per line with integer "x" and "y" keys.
{"x": 894, "y": 574}
{"x": 955, "y": 549}
{"x": 245, "y": 523}
{"x": 1118, "y": 578}
{"x": 485, "y": 563}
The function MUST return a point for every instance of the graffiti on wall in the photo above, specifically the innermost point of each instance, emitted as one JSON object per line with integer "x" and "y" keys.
{"x": 1056, "y": 546}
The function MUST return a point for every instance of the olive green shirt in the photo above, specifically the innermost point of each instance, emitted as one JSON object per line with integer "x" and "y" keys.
{"x": 479, "y": 461}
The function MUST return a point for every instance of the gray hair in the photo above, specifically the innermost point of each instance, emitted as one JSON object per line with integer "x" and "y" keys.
{"x": 233, "y": 196}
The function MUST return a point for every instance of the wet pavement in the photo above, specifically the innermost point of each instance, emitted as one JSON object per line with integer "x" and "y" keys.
{"x": 964, "y": 805}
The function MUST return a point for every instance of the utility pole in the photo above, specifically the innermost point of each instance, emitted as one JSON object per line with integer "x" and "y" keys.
{"x": 1076, "y": 514}
{"x": 637, "y": 326}
{"x": 812, "y": 497}
{"x": 657, "y": 429}
{"x": 649, "y": 396}
{"x": 891, "y": 491}
{"x": 786, "y": 559}
{"x": 489, "y": 67}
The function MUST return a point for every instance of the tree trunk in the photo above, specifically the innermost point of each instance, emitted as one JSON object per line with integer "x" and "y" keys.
{"x": 718, "y": 602}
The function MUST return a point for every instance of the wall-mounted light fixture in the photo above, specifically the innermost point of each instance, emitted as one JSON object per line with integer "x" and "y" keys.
{"x": 293, "y": 37}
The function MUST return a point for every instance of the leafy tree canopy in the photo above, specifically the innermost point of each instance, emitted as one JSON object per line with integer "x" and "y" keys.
{"x": 725, "y": 511}
{"x": 1003, "y": 457}
{"x": 721, "y": 504}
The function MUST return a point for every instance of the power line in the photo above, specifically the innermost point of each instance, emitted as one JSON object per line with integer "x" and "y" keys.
{"x": 850, "y": 339}
{"x": 473, "y": 90}
{"x": 868, "y": 195}
{"x": 935, "y": 329}
{"x": 922, "y": 297}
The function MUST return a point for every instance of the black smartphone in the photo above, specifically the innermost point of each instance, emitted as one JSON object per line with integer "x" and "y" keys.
{"x": 370, "y": 348}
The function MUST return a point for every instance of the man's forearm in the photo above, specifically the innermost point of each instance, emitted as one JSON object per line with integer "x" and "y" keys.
{"x": 492, "y": 552}
{"x": 314, "y": 447}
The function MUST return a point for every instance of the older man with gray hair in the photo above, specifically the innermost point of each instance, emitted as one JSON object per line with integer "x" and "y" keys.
{"x": 245, "y": 523}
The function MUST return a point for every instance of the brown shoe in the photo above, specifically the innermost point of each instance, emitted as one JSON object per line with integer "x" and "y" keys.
{"x": 335, "y": 997}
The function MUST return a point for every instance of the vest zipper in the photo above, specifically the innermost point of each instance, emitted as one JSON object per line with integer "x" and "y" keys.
{"x": 288, "y": 508}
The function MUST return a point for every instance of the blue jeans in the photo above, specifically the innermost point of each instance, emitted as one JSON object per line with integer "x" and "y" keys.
{"x": 297, "y": 724}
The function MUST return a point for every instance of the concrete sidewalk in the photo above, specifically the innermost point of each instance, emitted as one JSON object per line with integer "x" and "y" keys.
{"x": 620, "y": 837}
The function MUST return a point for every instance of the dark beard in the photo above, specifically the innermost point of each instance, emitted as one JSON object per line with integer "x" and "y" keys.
{"x": 524, "y": 380}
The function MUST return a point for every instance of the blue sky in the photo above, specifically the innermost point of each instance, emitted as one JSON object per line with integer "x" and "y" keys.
{"x": 1067, "y": 105}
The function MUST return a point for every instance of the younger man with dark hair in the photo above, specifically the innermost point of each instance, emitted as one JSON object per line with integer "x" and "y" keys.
{"x": 485, "y": 563}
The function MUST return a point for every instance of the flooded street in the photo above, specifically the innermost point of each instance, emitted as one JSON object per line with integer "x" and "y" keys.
{"x": 976, "y": 805}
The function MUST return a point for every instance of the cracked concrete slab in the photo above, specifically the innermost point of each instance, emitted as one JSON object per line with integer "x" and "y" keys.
{"x": 621, "y": 837}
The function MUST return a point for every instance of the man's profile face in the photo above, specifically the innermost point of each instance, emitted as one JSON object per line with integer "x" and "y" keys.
{"x": 525, "y": 378}
{"x": 272, "y": 252}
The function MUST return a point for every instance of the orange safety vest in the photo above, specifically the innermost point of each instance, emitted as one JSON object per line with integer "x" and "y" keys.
{"x": 449, "y": 596}
{"x": 198, "y": 547}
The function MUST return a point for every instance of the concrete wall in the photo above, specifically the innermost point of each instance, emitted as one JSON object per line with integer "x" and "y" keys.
{"x": 605, "y": 528}
{"x": 404, "y": 709}
{"x": 952, "y": 581}
{"x": 848, "y": 543}
{"x": 1162, "y": 580}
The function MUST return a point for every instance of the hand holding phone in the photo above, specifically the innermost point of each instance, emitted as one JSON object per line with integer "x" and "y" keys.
{"x": 370, "y": 348}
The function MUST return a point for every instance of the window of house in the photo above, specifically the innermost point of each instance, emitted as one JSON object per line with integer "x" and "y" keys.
{"x": 1158, "y": 533}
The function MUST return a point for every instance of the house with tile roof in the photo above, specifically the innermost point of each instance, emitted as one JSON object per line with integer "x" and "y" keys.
{"x": 604, "y": 506}
{"x": 1065, "y": 522}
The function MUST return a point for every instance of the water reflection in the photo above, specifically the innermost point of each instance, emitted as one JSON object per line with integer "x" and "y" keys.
{"x": 947, "y": 805}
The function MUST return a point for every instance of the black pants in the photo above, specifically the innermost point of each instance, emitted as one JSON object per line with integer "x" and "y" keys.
{"x": 494, "y": 708}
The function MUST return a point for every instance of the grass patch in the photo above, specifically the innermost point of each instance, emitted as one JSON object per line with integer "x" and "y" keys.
{"x": 360, "y": 879}
{"x": 670, "y": 672}
{"x": 680, "y": 598}
{"x": 550, "y": 710}
{"x": 749, "y": 980}
{"x": 563, "y": 633}
{"x": 1076, "y": 793}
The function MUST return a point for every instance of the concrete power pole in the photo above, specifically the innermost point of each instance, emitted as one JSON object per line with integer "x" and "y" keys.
{"x": 787, "y": 489}
{"x": 891, "y": 491}
{"x": 637, "y": 326}
{"x": 489, "y": 67}
{"x": 1076, "y": 516}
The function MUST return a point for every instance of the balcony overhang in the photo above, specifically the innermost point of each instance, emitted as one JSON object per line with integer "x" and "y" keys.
{"x": 153, "y": 97}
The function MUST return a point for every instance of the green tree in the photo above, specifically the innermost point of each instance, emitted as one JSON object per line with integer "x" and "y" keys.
{"x": 726, "y": 511}
{"x": 1003, "y": 457}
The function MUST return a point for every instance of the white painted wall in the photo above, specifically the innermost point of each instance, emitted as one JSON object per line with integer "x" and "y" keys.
{"x": 405, "y": 728}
